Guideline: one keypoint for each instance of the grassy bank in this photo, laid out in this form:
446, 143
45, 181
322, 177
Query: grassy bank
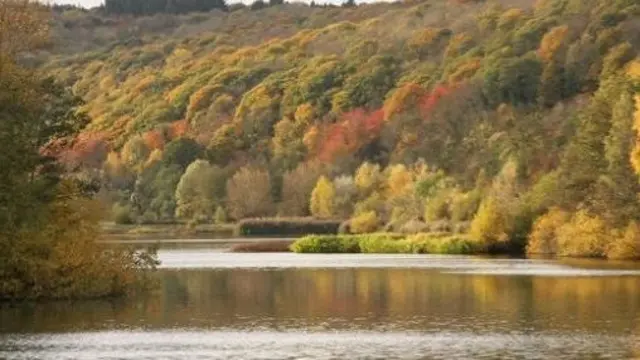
425, 243
177, 230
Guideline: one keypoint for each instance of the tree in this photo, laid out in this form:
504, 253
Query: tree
249, 193
200, 191
297, 186
135, 152
48, 222
349, 3
322, 199
368, 178
514, 81
182, 152
618, 187
346, 193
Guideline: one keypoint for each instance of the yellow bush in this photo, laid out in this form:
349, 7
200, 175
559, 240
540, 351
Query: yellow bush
627, 247
584, 236
365, 223
543, 237
492, 223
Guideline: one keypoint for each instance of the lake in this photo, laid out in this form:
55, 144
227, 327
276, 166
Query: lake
217, 305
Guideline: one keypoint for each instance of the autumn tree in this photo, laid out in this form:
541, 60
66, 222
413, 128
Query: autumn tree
249, 193
322, 198
297, 186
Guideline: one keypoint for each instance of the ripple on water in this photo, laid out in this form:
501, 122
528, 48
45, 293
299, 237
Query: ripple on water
312, 345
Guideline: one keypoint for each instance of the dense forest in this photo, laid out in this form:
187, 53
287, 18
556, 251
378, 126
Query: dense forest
516, 122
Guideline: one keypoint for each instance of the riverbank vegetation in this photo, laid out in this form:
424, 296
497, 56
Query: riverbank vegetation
381, 243
512, 123
48, 219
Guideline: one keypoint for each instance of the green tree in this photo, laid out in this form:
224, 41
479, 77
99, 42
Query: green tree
200, 191
618, 187
182, 152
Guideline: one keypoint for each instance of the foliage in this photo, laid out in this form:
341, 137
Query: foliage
122, 214
297, 186
584, 235
366, 222
326, 244
544, 235
322, 198
495, 118
48, 221
200, 191
249, 193
628, 247
382, 243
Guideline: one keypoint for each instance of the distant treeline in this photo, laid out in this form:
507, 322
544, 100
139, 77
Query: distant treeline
150, 7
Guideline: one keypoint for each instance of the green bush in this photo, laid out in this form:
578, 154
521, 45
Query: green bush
286, 226
326, 244
382, 243
442, 243
122, 214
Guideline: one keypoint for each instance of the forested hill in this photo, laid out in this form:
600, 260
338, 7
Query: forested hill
499, 113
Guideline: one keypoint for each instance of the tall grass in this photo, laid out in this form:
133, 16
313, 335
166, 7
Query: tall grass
286, 226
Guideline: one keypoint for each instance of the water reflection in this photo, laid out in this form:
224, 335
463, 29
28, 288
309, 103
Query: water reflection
368, 311
352, 298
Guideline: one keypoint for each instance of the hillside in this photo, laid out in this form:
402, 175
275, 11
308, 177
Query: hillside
515, 118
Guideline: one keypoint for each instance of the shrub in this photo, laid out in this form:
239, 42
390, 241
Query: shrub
326, 244
628, 246
464, 206
383, 243
543, 237
443, 243
122, 214
492, 223
365, 223
286, 226
584, 236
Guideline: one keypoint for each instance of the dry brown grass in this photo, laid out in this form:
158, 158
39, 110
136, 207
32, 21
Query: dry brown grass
263, 246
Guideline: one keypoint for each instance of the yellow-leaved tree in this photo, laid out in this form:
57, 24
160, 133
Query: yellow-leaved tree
322, 198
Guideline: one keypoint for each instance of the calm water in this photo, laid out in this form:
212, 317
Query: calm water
215, 305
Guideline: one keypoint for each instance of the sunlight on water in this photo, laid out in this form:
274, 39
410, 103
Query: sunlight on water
185, 259
301, 345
